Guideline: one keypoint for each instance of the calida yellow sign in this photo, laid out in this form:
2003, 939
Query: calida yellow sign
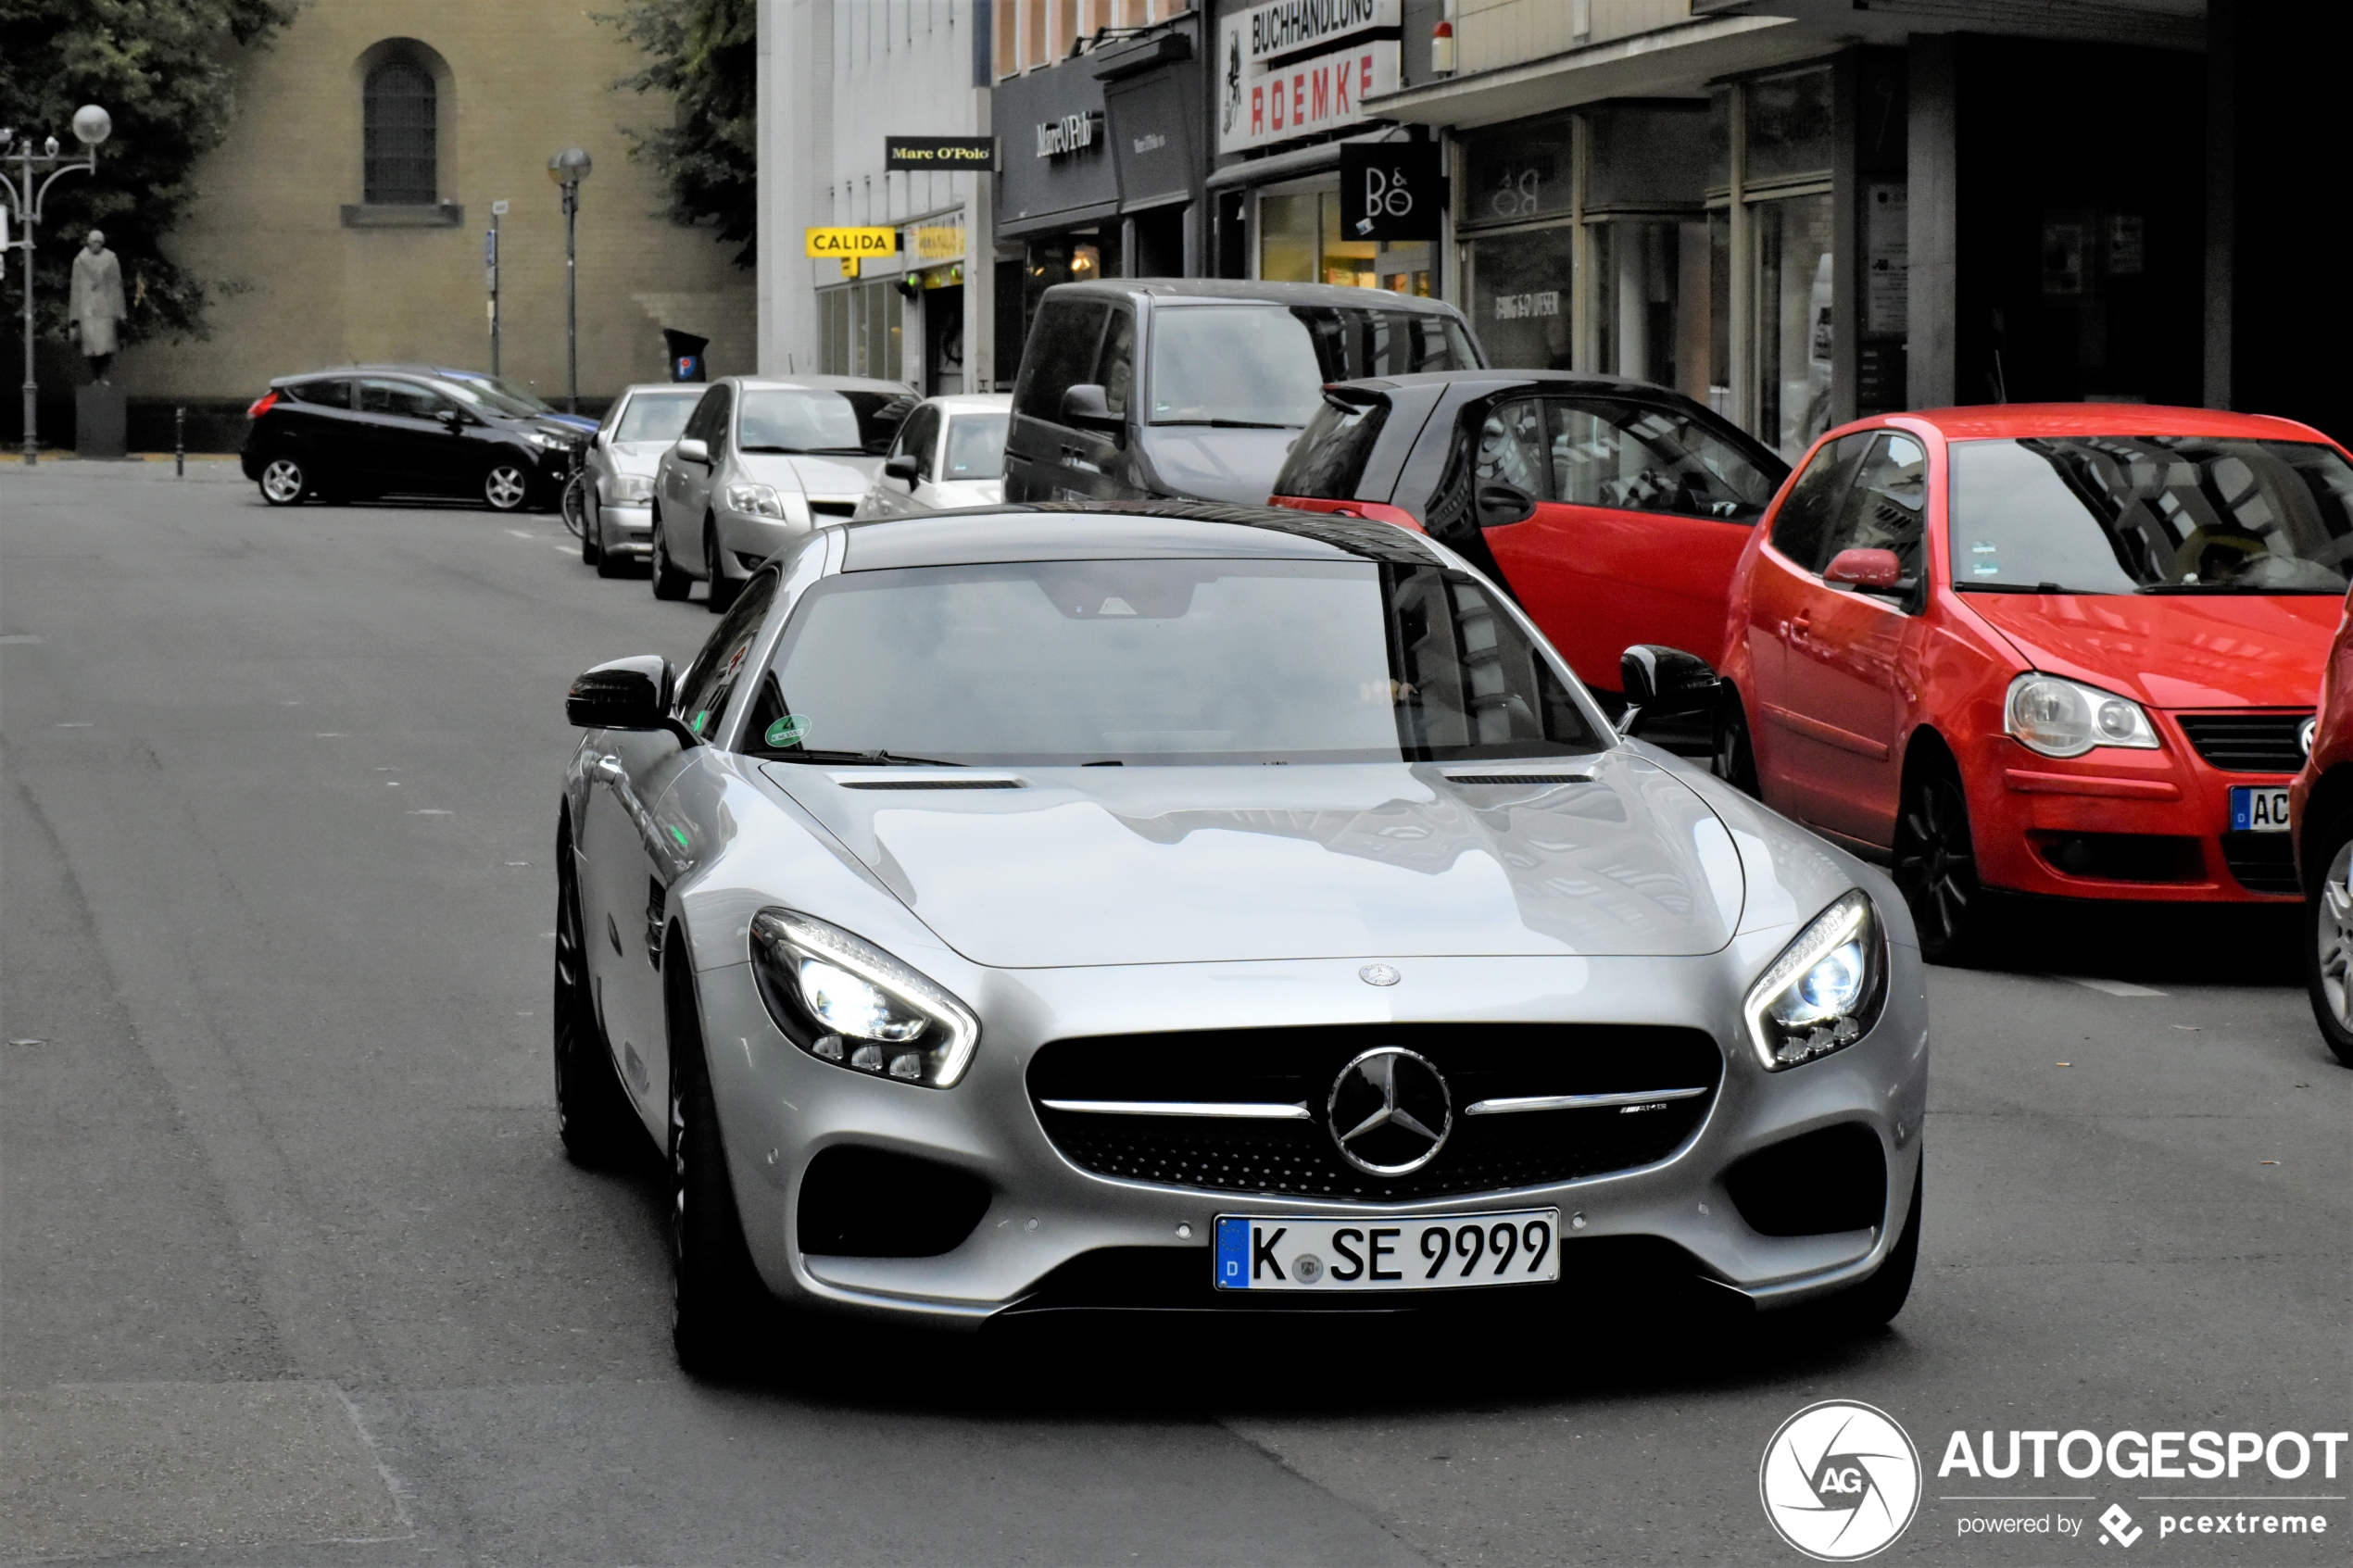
851, 245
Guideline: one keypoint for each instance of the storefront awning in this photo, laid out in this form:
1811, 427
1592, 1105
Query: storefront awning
1292, 165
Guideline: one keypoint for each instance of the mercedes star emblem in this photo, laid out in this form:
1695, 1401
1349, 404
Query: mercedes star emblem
1390, 1112
1378, 974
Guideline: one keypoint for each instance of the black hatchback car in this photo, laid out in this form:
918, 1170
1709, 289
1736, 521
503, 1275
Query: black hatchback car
1613, 510
1144, 388
355, 435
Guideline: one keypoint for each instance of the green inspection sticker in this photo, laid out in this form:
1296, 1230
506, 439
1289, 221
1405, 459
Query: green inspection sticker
791, 729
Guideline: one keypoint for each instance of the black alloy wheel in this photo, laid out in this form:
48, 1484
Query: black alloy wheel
2328, 932
1935, 865
507, 486
1734, 758
284, 482
598, 1126
669, 583
716, 1295
723, 588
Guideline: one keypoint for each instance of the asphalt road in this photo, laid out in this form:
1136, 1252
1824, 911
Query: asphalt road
292, 1270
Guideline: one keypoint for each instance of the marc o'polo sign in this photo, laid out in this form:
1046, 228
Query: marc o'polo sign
936, 152
1390, 191
851, 245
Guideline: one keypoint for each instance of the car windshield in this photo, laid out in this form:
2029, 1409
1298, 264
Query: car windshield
656, 416
819, 419
1144, 663
482, 398
514, 394
975, 446
1266, 364
2125, 514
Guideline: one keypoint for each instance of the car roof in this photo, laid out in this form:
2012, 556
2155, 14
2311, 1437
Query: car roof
1124, 530
971, 402
1495, 379
822, 384
2013, 419
1227, 291
634, 388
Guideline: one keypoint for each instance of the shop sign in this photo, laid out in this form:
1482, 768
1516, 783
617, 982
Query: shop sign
1071, 133
939, 241
1296, 67
851, 245
1391, 192
933, 153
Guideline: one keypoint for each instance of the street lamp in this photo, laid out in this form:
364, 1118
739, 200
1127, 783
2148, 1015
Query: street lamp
568, 168
92, 125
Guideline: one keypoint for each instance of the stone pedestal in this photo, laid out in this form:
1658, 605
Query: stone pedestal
98, 421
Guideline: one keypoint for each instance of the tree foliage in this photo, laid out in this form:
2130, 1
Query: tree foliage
166, 70
704, 55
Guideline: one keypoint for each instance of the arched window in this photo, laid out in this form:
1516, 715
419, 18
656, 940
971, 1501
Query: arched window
400, 151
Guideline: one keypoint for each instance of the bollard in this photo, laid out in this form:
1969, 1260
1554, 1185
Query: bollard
179, 443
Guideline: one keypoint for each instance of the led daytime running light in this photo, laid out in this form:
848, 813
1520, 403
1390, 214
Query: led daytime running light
790, 951
1786, 1036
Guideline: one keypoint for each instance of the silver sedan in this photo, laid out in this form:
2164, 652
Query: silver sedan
627, 447
1188, 906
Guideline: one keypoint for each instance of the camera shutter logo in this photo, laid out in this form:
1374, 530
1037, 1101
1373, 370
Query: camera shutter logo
1840, 1481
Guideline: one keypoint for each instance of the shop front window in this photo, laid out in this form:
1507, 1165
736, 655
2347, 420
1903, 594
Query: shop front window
1079, 257
1520, 297
860, 330
1792, 290
1789, 127
1299, 242
1345, 261
1651, 304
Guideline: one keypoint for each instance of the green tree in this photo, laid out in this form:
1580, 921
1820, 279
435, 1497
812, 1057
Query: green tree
166, 70
704, 53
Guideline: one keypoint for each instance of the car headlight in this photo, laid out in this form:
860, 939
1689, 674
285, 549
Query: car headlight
846, 1001
630, 487
2067, 718
1826, 989
546, 442
755, 501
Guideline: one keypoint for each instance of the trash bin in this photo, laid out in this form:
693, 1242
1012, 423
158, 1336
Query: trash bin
685, 354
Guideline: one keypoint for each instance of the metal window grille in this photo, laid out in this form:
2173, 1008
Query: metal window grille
400, 150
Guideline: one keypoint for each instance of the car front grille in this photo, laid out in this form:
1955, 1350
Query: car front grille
1299, 1157
2264, 862
2248, 743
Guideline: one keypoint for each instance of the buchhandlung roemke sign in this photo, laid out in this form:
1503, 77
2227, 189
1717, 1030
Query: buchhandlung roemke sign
1294, 67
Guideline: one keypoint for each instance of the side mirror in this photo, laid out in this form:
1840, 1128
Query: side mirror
628, 694
1086, 407
1502, 504
1665, 680
452, 420
902, 467
693, 449
1865, 568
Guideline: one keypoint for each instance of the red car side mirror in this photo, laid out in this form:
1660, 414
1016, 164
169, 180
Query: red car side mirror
1865, 568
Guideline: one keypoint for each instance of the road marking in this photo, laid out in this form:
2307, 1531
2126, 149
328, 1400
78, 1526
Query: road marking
82, 725
2110, 987
522, 534
431, 811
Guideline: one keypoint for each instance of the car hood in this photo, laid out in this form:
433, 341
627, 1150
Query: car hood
1218, 465
1208, 864
2174, 650
637, 456
951, 493
840, 479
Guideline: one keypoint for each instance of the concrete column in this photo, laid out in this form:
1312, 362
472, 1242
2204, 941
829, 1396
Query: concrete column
1741, 333
980, 263
2221, 205
1932, 228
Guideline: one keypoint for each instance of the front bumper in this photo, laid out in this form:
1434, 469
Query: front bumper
780, 1108
628, 527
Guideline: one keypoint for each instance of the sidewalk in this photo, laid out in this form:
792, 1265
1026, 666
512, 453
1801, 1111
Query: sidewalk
205, 468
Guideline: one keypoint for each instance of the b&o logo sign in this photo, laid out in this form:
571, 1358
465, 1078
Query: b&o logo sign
1391, 192
1840, 1481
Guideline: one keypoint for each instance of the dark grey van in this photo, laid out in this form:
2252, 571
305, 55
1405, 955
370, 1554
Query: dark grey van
1143, 387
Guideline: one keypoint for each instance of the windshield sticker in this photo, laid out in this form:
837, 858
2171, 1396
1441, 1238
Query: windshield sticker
699, 717
1984, 567
791, 729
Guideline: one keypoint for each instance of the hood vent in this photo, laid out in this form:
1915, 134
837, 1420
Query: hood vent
1519, 778
928, 784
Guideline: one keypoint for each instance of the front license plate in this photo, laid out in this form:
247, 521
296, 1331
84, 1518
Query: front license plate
1441, 1252
2259, 808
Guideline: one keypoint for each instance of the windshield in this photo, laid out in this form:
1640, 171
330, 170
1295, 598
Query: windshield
815, 419
656, 416
1158, 662
2118, 514
976, 446
1266, 364
478, 395
514, 394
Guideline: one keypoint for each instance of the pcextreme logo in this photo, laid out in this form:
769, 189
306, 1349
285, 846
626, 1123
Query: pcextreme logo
1840, 1481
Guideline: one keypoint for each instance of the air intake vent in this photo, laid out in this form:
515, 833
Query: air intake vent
2248, 743
930, 784
834, 509
1519, 778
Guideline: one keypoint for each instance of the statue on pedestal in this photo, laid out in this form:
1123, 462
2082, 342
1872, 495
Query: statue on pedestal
95, 304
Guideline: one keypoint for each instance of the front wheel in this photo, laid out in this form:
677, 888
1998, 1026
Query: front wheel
593, 1116
1936, 865
668, 581
1735, 760
283, 481
2328, 935
716, 1295
507, 486
723, 588
1875, 1302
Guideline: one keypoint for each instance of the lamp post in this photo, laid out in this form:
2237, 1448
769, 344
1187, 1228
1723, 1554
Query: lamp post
568, 168
92, 125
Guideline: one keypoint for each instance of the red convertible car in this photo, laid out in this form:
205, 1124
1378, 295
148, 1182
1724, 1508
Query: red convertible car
2063, 650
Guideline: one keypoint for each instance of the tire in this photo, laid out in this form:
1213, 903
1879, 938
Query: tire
598, 1126
572, 507
1735, 760
2328, 934
591, 529
1875, 1302
1935, 865
716, 1296
284, 482
669, 583
506, 486
611, 565
723, 588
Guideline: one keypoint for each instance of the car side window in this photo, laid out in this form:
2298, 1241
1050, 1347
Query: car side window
709, 422
1886, 507
404, 398
1116, 367
1801, 528
1511, 449
335, 393
1633, 457
1061, 356
918, 437
710, 680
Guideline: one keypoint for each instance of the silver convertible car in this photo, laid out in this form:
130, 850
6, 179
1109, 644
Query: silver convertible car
1194, 906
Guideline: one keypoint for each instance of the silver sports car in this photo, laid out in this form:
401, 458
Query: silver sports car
1187, 906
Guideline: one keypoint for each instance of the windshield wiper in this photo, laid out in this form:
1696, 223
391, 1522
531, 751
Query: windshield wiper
2226, 588
1232, 424
872, 759
2021, 588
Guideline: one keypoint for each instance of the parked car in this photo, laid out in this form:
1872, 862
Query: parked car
2321, 819
1613, 511
760, 461
951, 886
1137, 388
354, 434
950, 453
621, 459
2070, 650
514, 392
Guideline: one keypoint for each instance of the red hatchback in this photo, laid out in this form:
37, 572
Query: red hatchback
2063, 650
2320, 806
